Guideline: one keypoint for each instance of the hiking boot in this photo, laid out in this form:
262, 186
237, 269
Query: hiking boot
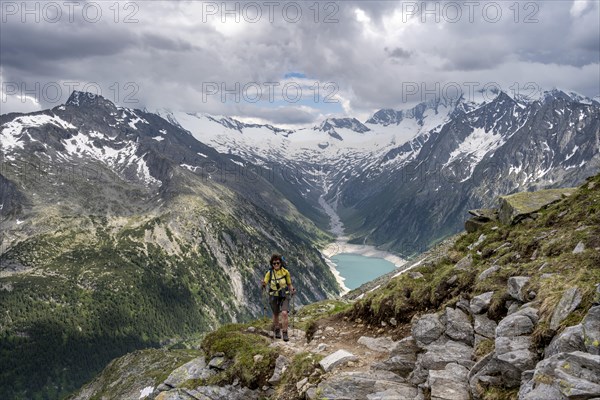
278, 333
285, 337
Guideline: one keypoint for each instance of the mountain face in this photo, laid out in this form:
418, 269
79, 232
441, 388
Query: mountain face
406, 178
500, 147
120, 231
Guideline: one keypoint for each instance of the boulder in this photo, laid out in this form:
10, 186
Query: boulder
474, 224
516, 207
194, 369
219, 363
516, 285
527, 384
568, 341
580, 248
228, 392
488, 272
381, 344
591, 330
407, 346
485, 326
569, 301
438, 356
281, 365
487, 214
458, 326
573, 375
516, 351
427, 329
450, 383
177, 394
365, 385
333, 360
465, 263
403, 357
481, 303
514, 325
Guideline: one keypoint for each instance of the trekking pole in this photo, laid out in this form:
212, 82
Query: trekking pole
293, 317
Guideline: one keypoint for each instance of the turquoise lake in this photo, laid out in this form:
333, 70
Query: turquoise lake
357, 269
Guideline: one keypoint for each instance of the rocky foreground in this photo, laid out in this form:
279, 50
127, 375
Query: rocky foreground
509, 311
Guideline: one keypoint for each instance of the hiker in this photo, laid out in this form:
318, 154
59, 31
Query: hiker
280, 287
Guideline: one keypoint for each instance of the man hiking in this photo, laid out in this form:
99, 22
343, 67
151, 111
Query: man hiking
280, 287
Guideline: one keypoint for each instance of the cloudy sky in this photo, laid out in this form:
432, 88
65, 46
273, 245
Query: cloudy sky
290, 62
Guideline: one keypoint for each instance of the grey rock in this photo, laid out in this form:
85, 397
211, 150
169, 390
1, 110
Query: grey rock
480, 240
228, 392
481, 303
402, 365
529, 311
333, 360
281, 365
569, 301
219, 362
177, 394
463, 304
516, 351
465, 263
300, 386
527, 384
381, 344
511, 307
516, 286
321, 347
450, 383
547, 275
568, 341
393, 321
194, 369
488, 272
438, 356
415, 275
458, 326
485, 326
490, 371
403, 357
406, 346
452, 280
575, 375
514, 325
591, 330
580, 248
360, 385
427, 329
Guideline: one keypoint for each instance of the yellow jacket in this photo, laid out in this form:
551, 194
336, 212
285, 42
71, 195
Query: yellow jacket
281, 276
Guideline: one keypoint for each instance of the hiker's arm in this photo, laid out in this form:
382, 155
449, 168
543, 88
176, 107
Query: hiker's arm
288, 278
266, 280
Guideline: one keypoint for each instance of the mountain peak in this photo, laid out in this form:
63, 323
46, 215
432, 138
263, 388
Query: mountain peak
348, 123
87, 99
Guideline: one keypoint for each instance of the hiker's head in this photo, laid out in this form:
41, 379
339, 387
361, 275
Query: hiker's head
276, 261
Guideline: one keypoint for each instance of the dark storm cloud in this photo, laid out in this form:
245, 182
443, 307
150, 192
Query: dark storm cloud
398, 52
173, 51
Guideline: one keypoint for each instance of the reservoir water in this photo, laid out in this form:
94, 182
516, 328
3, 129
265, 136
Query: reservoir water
357, 269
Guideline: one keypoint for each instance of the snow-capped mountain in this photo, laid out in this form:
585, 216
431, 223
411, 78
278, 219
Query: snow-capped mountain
498, 142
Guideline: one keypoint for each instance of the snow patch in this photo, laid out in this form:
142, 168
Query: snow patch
158, 138
12, 132
147, 391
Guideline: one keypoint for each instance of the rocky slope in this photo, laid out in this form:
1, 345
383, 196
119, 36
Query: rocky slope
511, 311
121, 231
